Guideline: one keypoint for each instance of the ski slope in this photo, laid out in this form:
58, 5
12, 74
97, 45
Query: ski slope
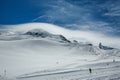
100, 71
40, 51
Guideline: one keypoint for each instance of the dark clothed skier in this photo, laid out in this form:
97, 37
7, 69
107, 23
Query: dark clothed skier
90, 70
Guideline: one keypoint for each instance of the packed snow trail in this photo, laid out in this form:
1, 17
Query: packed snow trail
109, 72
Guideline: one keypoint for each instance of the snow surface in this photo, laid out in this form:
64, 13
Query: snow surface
28, 57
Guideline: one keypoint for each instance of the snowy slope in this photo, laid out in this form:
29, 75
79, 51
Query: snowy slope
40, 51
100, 71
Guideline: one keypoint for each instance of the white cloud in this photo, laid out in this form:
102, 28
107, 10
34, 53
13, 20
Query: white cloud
64, 12
113, 13
112, 7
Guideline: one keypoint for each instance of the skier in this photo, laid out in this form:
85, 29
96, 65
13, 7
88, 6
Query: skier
90, 70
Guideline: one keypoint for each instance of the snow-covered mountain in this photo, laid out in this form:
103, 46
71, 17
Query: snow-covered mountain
44, 34
41, 47
53, 33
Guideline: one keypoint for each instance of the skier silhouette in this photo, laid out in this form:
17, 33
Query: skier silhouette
90, 70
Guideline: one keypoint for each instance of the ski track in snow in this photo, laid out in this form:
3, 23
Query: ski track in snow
106, 73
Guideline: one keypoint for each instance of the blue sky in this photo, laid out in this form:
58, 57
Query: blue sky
94, 15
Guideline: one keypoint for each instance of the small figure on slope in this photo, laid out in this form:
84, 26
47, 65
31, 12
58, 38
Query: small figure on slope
90, 70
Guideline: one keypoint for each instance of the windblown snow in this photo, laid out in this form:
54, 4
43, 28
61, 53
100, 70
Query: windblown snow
41, 51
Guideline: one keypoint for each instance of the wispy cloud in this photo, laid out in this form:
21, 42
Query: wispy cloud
83, 15
64, 13
113, 12
112, 8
